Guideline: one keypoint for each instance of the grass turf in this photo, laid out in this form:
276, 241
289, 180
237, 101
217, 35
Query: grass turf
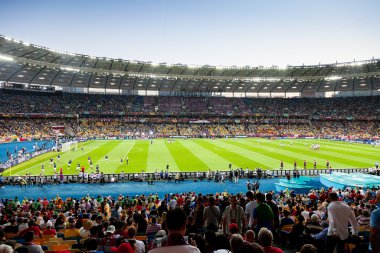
203, 154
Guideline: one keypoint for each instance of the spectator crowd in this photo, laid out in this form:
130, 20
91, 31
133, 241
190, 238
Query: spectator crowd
319, 221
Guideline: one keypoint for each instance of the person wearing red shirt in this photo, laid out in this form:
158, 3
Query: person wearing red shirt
32, 227
45, 202
49, 230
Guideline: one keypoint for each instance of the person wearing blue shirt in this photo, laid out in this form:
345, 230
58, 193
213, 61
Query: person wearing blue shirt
375, 227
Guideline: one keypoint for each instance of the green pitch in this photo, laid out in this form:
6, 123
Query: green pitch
203, 154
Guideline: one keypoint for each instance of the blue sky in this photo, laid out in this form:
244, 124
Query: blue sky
214, 32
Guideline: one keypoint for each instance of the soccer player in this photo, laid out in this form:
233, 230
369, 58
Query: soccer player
89, 159
121, 160
106, 157
78, 167
127, 160
282, 165
304, 164
55, 167
315, 164
69, 164
295, 165
91, 166
58, 158
327, 164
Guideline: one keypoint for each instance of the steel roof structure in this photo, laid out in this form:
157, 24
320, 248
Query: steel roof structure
21, 62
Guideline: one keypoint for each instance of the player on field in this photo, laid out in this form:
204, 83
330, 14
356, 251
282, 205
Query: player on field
327, 164
282, 165
315, 164
91, 166
126, 160
304, 164
78, 167
121, 160
106, 157
295, 165
58, 158
69, 164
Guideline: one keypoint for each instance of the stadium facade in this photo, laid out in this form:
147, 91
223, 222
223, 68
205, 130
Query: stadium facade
31, 67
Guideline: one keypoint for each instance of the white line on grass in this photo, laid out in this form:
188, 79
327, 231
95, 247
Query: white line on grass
129, 150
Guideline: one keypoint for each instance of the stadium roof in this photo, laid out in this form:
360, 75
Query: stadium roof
21, 62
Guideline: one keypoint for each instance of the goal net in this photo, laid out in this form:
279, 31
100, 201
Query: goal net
68, 146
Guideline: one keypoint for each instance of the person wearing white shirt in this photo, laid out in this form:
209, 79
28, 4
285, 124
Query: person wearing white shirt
251, 205
140, 246
339, 215
172, 203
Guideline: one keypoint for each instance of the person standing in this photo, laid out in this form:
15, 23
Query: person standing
375, 227
233, 214
176, 224
211, 216
262, 214
339, 215
249, 207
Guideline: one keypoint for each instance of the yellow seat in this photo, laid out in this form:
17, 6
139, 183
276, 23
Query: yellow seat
287, 228
69, 242
60, 247
55, 239
141, 237
39, 241
47, 237
50, 244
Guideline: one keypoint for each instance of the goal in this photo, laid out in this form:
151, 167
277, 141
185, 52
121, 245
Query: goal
68, 146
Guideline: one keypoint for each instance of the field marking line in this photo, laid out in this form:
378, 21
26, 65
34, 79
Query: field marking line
129, 150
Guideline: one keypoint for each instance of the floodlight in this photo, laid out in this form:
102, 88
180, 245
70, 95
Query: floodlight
6, 57
331, 78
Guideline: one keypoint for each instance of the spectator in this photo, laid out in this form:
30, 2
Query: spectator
140, 246
250, 206
308, 248
233, 214
250, 236
153, 228
265, 239
262, 214
49, 230
176, 222
211, 216
375, 226
32, 248
339, 215
236, 242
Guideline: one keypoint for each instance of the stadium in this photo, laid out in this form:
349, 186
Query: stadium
84, 138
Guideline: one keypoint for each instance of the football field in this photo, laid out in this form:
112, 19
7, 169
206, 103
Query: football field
202, 154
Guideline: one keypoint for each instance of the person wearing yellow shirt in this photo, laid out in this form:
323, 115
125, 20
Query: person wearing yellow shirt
72, 230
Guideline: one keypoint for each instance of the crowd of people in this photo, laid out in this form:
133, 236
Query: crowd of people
319, 221
68, 103
29, 129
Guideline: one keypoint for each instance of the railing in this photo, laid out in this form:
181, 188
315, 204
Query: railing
113, 178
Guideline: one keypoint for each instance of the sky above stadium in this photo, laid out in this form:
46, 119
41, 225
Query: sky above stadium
213, 32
